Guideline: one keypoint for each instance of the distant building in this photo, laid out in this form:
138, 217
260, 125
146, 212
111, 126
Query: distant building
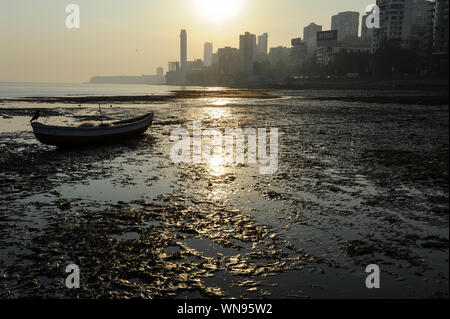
299, 52
347, 25
126, 79
395, 22
327, 38
310, 36
174, 66
228, 61
183, 48
262, 47
173, 75
280, 61
215, 59
279, 55
440, 32
247, 50
326, 55
409, 23
160, 72
421, 38
207, 54
366, 33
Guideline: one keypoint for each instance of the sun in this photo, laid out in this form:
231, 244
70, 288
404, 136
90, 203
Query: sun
218, 10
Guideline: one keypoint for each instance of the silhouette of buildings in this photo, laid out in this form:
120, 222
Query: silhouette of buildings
418, 27
156, 79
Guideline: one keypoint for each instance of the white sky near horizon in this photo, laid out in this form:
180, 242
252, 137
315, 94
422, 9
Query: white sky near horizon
134, 37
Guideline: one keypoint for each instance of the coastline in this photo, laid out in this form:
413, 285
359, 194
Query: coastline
393, 96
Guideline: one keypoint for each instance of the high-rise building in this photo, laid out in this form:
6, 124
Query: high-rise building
174, 66
310, 36
247, 51
440, 32
421, 38
327, 38
366, 33
347, 24
299, 52
395, 22
407, 23
262, 46
228, 60
183, 48
207, 54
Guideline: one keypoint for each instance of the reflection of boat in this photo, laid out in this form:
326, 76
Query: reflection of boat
88, 134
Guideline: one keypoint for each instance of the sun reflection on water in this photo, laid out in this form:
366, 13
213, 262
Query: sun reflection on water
217, 112
216, 165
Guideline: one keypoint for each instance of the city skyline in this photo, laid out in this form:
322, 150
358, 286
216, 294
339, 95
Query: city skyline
36, 46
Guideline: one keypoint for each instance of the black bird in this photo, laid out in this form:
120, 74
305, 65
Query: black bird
35, 116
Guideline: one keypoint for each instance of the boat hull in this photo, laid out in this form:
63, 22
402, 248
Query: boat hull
75, 136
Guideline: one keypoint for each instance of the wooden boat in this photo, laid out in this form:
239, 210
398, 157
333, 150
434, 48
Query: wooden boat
70, 136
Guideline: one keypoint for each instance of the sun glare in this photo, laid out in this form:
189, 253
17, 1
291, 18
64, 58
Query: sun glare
218, 10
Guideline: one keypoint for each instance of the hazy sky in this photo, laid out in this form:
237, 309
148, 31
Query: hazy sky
134, 37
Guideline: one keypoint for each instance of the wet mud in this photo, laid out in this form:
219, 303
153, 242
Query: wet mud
357, 184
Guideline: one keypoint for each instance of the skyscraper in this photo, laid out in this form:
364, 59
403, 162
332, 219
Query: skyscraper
421, 38
402, 21
310, 36
247, 50
366, 33
346, 23
183, 48
440, 32
207, 54
262, 46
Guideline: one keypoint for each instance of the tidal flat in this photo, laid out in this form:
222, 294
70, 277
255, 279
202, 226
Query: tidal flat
359, 182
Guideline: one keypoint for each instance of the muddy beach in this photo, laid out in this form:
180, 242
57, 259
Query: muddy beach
358, 183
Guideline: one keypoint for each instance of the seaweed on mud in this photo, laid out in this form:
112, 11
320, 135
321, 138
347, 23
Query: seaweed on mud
142, 267
181, 231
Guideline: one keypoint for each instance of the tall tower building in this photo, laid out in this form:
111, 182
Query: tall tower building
440, 32
262, 46
396, 22
310, 36
183, 48
366, 33
247, 51
346, 23
207, 54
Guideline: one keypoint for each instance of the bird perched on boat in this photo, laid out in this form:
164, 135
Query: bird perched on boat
35, 116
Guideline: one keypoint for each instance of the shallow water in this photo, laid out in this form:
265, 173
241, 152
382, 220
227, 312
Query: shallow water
357, 184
